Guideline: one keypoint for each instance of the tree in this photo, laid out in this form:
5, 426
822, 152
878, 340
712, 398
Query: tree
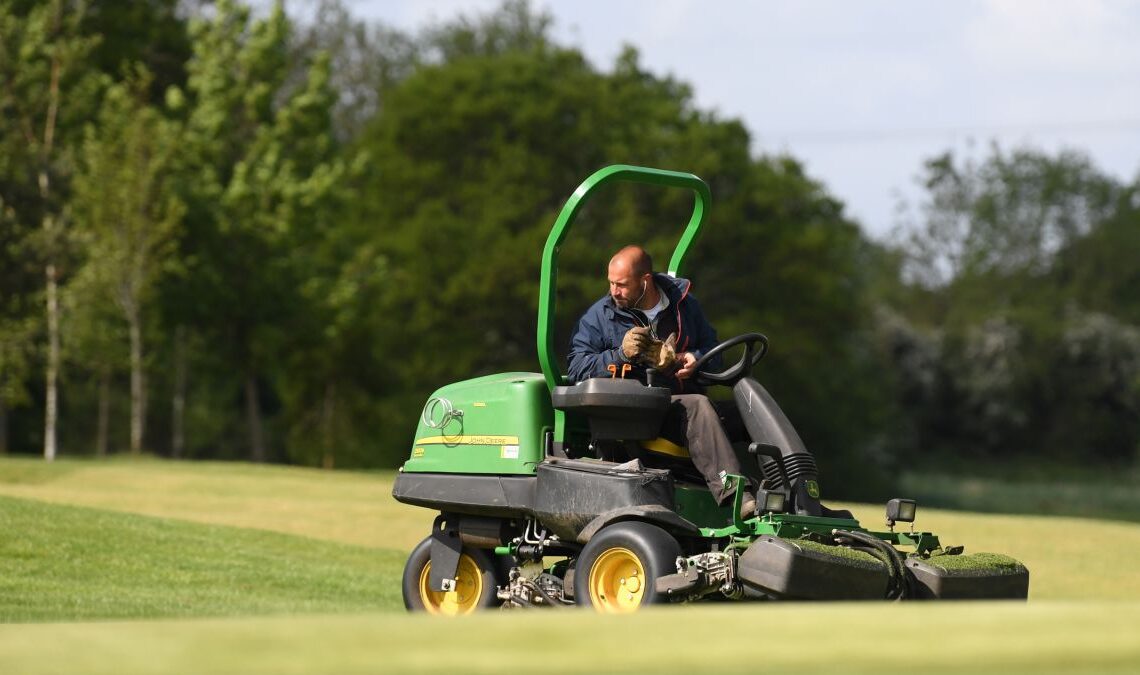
19, 313
127, 215
260, 166
366, 61
1019, 277
48, 89
1010, 213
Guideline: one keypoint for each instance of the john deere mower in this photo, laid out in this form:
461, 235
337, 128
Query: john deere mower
550, 494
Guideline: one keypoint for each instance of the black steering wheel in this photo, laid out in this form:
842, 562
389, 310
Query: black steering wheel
755, 347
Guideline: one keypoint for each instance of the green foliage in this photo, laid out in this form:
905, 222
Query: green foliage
1023, 337
1007, 215
126, 213
148, 33
263, 182
340, 217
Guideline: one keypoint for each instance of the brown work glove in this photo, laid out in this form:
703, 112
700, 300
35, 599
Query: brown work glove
635, 342
662, 355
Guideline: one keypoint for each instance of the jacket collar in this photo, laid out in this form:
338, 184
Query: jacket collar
674, 288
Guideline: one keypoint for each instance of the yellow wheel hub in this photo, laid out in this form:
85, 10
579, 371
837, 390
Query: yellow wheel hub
617, 581
464, 599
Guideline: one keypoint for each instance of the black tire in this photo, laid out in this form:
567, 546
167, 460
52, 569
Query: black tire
475, 580
619, 567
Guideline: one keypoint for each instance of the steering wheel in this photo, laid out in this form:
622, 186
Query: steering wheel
755, 347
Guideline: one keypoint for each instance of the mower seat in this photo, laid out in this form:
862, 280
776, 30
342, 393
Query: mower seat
616, 409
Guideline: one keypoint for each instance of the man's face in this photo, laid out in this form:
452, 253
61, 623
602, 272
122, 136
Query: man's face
626, 288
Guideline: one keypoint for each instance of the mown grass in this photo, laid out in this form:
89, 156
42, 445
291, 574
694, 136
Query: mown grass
63, 563
163, 540
342, 506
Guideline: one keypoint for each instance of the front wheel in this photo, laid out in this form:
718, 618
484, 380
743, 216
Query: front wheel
474, 583
619, 567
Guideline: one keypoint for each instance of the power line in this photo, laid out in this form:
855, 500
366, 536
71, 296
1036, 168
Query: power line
925, 133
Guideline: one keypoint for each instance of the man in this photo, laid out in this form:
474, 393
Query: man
628, 325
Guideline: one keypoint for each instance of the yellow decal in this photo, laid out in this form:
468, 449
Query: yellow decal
417, 452
468, 440
479, 404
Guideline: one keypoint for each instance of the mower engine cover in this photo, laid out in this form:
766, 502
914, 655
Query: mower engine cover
489, 425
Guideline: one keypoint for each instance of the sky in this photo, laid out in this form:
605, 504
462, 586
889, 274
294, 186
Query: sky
863, 92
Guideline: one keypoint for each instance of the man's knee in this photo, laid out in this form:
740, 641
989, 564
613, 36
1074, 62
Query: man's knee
695, 404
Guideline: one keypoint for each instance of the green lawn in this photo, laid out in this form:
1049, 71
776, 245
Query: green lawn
307, 563
61, 563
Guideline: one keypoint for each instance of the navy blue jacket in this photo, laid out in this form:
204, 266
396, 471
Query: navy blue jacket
596, 342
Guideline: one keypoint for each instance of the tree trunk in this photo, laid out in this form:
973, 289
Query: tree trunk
253, 417
51, 406
177, 432
103, 421
138, 383
327, 411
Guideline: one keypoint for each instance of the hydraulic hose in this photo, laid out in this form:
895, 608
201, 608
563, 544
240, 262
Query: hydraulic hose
899, 588
546, 596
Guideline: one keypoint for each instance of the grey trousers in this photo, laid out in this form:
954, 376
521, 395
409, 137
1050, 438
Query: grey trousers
693, 421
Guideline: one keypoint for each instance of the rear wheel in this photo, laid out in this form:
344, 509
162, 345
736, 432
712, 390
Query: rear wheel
619, 567
474, 582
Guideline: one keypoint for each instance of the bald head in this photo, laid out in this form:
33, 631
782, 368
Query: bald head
631, 277
634, 258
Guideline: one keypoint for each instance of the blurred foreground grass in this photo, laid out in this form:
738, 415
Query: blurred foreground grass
1010, 638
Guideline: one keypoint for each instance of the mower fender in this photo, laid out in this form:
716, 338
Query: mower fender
661, 516
445, 549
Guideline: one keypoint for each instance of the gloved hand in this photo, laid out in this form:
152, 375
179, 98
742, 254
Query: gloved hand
662, 355
635, 342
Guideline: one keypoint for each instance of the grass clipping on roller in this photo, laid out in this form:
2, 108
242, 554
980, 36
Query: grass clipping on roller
973, 564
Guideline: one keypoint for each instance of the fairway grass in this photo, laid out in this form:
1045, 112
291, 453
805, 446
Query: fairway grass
1006, 638
347, 507
306, 564
66, 562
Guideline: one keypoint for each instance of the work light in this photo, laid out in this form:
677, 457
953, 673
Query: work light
771, 501
900, 510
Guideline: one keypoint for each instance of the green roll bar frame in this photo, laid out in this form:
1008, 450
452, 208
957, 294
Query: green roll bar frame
549, 279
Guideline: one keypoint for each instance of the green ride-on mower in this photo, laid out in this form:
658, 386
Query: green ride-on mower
552, 494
